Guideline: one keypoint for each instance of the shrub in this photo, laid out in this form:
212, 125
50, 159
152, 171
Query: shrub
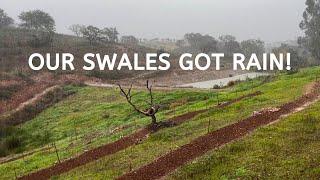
216, 86
3, 150
231, 83
5, 95
293, 71
105, 115
7, 92
13, 142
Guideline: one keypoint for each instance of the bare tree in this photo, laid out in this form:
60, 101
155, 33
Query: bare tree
150, 111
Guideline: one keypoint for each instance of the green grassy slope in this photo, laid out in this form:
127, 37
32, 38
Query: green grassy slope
96, 116
283, 89
286, 150
92, 117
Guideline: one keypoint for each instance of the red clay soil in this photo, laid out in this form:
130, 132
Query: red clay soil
174, 159
116, 146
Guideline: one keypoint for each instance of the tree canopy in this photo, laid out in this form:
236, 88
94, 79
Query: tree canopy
311, 26
5, 20
94, 34
37, 20
129, 40
251, 46
229, 45
201, 43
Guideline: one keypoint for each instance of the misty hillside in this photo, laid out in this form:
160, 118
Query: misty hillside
17, 45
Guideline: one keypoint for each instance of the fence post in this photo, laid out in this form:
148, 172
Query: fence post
56, 150
209, 124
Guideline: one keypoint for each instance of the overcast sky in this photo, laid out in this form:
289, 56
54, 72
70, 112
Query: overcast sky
269, 20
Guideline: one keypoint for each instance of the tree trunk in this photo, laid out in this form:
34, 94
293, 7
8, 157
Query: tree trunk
154, 119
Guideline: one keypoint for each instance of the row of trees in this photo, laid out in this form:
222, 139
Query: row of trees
33, 20
43, 29
40, 24
43, 26
106, 35
94, 34
227, 44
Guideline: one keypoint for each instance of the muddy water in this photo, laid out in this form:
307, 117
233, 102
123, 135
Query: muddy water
223, 81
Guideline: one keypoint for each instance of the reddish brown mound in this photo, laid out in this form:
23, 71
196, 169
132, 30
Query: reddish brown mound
169, 162
116, 146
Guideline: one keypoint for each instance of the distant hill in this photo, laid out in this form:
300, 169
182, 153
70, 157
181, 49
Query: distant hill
271, 45
16, 45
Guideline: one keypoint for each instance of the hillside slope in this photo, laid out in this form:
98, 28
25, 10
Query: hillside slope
96, 116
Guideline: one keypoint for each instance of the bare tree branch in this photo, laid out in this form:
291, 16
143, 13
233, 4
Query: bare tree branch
129, 97
150, 111
149, 87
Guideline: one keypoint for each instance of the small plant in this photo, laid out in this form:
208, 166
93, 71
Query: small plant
231, 83
292, 71
216, 86
106, 115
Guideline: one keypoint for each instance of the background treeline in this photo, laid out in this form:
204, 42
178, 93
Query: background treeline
36, 29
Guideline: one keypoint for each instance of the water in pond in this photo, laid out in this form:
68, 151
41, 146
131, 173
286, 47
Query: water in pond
223, 81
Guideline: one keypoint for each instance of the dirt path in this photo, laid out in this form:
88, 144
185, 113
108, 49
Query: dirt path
30, 108
116, 146
171, 161
36, 98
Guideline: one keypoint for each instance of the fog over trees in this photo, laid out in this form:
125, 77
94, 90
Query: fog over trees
42, 25
269, 20
311, 26
5, 20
